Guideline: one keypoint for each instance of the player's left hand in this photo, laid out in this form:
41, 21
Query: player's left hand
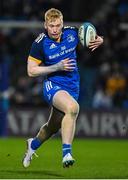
96, 43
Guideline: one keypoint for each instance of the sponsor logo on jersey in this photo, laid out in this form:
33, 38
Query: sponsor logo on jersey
52, 46
62, 53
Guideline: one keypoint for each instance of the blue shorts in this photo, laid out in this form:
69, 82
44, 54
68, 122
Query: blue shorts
50, 88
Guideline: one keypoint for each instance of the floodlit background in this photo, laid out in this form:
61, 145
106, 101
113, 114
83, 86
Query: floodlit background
104, 73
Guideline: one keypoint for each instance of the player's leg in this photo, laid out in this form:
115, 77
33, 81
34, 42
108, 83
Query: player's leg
67, 104
46, 131
52, 126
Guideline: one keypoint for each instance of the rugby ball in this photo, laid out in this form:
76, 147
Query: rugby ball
86, 33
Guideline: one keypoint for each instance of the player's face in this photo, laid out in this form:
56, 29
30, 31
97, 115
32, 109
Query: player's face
54, 28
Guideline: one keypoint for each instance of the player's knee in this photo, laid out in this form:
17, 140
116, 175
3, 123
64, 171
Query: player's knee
73, 109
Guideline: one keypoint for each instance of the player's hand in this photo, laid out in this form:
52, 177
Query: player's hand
66, 65
96, 43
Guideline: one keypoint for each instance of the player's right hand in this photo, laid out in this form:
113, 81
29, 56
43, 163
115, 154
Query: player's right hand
67, 65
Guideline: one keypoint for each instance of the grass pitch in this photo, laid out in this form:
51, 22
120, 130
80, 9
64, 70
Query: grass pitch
94, 159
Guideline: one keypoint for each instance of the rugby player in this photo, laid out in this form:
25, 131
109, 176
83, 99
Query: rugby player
53, 55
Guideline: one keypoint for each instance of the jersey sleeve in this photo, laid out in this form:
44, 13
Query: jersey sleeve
75, 29
36, 53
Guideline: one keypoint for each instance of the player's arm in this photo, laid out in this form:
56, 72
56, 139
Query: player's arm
34, 69
36, 57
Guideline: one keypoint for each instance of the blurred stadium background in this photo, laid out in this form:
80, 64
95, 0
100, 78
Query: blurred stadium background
104, 73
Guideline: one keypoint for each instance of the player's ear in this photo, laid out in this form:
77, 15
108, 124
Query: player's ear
62, 23
45, 25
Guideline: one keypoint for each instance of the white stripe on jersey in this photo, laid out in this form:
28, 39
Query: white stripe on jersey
40, 37
48, 85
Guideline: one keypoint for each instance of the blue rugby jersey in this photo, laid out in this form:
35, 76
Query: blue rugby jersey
47, 51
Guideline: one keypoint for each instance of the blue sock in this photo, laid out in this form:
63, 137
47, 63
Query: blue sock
67, 149
36, 143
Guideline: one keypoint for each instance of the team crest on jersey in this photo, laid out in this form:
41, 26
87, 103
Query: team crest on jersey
52, 46
70, 38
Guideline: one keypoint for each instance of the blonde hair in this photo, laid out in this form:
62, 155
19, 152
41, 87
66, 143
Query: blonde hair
53, 14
